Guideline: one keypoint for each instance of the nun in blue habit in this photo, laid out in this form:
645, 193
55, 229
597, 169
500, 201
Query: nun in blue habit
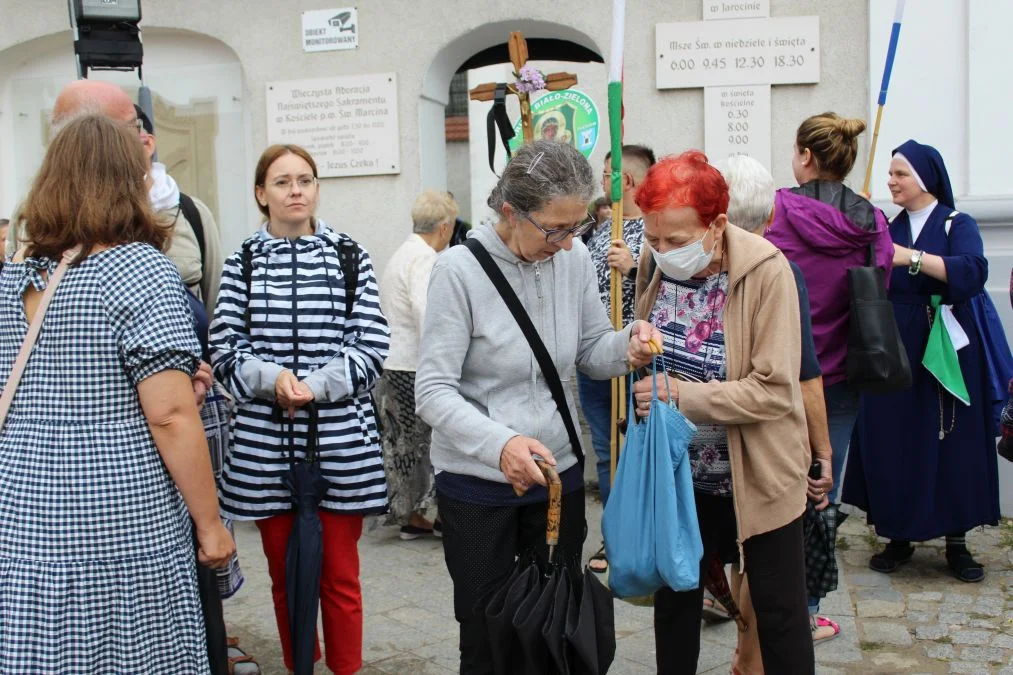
922, 463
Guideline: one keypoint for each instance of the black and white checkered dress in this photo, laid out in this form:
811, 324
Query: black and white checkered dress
296, 304
96, 555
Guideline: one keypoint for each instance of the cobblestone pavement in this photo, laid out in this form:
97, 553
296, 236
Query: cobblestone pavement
918, 620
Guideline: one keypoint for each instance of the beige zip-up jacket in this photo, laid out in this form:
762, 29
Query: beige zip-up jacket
760, 402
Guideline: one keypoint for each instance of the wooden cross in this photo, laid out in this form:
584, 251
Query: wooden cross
518, 48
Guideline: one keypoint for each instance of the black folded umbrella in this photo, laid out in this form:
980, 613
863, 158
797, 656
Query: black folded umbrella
562, 622
304, 555
214, 617
820, 529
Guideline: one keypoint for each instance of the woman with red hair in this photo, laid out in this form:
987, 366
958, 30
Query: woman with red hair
726, 304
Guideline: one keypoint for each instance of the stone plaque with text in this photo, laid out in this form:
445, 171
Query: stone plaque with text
737, 122
782, 50
348, 123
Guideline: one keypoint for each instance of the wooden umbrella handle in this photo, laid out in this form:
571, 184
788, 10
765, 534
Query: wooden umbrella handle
555, 510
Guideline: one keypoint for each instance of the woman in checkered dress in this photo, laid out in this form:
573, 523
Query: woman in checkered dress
102, 453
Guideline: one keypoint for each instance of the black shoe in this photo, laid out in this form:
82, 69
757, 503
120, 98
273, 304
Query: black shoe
963, 566
409, 532
891, 557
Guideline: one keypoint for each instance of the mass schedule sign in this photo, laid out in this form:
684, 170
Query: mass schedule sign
782, 50
348, 123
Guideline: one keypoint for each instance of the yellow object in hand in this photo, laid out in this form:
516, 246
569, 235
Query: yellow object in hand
655, 346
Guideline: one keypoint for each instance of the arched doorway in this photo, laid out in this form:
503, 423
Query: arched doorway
559, 46
200, 117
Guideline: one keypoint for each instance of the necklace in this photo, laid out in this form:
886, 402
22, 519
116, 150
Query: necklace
943, 431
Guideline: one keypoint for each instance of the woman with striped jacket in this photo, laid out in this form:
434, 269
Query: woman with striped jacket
283, 337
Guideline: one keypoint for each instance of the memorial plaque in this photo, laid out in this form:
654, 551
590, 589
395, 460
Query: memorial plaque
348, 123
737, 122
782, 50
735, 9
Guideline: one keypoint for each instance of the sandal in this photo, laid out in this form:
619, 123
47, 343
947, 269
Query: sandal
963, 565
240, 663
890, 558
714, 611
601, 559
823, 629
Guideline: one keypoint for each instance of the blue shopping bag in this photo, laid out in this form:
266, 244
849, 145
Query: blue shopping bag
652, 537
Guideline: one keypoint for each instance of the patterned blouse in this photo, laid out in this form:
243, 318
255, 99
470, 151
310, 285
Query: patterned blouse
690, 316
598, 245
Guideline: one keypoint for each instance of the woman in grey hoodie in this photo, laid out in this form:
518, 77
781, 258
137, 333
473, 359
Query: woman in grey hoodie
480, 388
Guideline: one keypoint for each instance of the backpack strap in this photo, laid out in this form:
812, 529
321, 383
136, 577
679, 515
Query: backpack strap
246, 265
948, 223
192, 215
549, 371
348, 258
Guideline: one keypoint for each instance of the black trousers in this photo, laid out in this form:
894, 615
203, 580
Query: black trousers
481, 545
776, 567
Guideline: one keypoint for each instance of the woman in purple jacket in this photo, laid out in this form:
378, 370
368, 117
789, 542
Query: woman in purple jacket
825, 228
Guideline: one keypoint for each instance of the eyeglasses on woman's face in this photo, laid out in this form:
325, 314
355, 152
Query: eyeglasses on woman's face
556, 235
286, 183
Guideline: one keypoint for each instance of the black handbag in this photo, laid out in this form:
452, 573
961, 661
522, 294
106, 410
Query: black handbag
877, 360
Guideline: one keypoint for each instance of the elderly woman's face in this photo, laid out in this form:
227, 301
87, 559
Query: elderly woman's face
528, 230
674, 228
903, 185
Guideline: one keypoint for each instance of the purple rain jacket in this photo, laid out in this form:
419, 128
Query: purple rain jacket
825, 228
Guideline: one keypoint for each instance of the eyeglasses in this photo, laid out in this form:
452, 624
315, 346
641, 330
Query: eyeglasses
284, 183
559, 234
136, 124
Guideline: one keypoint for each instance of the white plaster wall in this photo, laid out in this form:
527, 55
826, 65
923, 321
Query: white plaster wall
408, 37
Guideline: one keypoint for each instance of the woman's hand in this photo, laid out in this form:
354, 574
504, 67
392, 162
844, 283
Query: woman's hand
517, 463
290, 393
901, 256
645, 343
819, 488
620, 257
215, 545
201, 383
643, 392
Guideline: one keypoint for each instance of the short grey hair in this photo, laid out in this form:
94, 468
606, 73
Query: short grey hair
431, 209
540, 172
750, 191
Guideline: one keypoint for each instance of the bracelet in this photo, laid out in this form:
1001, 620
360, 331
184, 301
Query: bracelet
916, 263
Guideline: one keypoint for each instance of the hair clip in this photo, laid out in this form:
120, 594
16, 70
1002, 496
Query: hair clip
534, 163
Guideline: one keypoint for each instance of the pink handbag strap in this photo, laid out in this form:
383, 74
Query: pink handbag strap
33, 334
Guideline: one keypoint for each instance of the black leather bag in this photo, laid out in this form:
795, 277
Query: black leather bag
877, 360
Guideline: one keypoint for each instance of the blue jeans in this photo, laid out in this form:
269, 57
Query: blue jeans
842, 403
596, 402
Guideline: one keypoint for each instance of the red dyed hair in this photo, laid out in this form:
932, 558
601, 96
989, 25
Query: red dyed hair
686, 180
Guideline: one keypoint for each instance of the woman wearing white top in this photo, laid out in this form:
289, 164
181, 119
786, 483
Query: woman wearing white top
405, 437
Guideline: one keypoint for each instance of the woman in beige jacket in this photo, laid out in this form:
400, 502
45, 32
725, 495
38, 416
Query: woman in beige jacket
726, 304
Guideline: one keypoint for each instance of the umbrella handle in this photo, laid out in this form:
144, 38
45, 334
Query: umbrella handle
555, 507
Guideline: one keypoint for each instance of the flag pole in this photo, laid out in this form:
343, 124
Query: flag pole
891, 52
615, 106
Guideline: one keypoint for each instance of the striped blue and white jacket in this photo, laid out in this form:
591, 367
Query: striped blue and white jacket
292, 318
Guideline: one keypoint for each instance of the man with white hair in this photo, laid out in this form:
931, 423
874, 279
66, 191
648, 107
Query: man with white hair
751, 207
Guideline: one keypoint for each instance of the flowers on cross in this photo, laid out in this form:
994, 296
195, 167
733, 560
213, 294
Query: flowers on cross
529, 80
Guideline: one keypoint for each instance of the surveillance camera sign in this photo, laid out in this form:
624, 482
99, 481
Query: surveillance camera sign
325, 30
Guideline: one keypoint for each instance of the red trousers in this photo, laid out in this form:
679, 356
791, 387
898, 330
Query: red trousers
340, 593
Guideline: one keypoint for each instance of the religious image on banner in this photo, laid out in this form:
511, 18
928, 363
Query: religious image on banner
569, 116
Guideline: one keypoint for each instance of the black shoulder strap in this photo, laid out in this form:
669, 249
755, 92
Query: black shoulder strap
192, 216
537, 346
348, 258
246, 262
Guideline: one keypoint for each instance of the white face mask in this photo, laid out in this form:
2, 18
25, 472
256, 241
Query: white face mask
683, 263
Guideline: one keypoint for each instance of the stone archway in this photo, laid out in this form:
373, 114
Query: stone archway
436, 83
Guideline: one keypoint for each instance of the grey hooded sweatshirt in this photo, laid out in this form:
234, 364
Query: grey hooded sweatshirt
478, 384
